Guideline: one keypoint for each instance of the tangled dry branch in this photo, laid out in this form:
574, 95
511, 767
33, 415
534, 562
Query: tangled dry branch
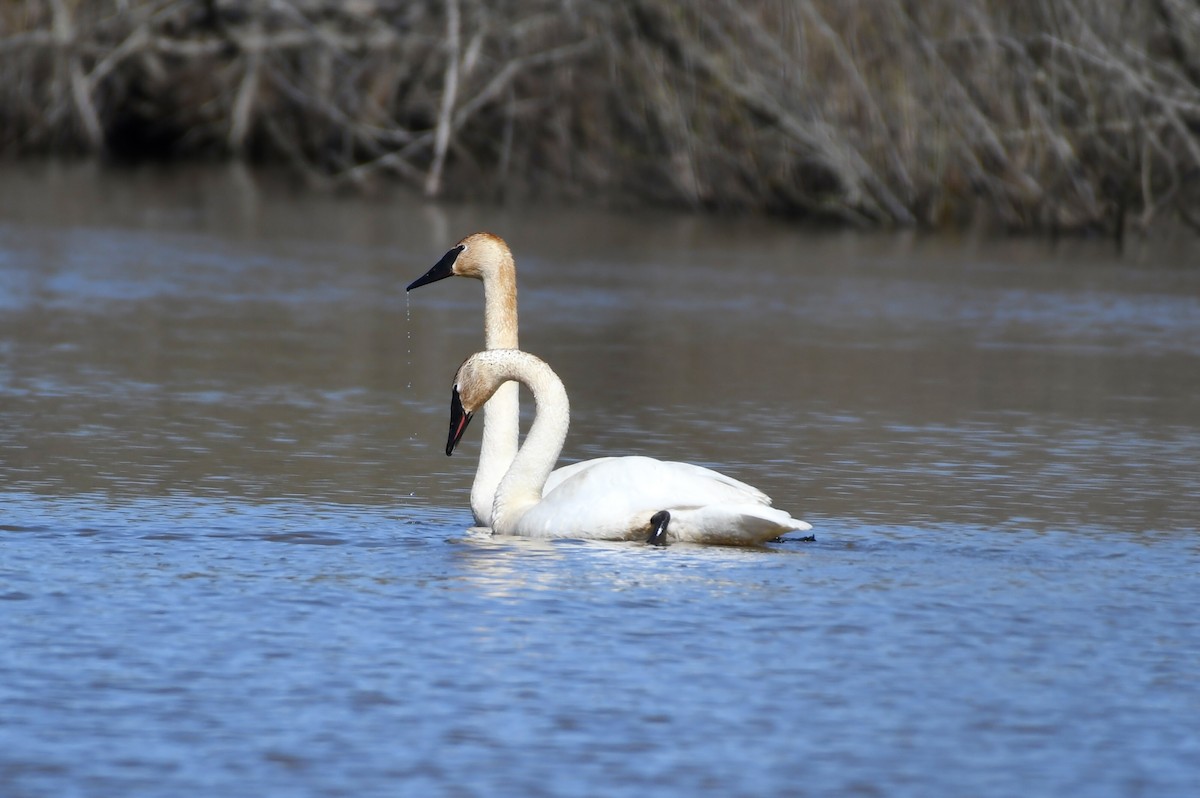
1046, 114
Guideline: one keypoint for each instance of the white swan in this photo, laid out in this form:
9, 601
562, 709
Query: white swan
486, 257
610, 498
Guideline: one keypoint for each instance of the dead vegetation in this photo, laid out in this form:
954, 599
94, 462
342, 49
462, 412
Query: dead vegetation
1036, 115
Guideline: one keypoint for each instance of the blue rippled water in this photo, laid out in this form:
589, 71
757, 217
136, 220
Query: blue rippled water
234, 561
191, 647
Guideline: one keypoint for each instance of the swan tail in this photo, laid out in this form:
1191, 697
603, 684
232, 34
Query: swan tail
731, 524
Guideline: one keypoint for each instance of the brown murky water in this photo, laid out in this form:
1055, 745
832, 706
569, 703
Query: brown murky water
204, 373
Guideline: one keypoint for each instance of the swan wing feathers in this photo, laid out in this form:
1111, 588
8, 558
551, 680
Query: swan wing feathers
614, 497
671, 473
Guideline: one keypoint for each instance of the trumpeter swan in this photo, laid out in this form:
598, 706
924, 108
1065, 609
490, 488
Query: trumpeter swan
486, 257
611, 498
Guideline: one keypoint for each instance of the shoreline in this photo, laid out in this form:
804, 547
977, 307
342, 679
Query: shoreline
1070, 118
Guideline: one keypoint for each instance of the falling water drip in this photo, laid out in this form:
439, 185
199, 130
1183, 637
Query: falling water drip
408, 334
408, 363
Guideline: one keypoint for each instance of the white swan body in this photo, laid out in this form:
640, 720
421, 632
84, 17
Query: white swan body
610, 498
486, 257
617, 499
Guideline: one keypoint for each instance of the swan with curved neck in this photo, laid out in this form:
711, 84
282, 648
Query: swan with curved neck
487, 258
614, 498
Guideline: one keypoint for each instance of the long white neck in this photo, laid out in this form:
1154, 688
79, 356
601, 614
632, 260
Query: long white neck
500, 306
501, 415
522, 486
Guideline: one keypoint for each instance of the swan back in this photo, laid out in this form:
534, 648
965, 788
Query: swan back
615, 498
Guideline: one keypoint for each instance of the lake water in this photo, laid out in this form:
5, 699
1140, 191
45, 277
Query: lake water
234, 559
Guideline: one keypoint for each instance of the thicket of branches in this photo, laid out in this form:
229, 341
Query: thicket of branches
1037, 114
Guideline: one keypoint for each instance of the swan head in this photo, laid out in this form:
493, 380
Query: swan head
479, 255
481, 375
474, 384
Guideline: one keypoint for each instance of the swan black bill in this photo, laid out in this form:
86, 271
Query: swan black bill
459, 419
440, 271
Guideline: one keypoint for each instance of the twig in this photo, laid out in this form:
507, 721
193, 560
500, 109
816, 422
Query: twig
243, 104
433, 181
64, 35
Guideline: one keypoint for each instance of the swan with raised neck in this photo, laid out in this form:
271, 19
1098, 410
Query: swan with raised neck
487, 258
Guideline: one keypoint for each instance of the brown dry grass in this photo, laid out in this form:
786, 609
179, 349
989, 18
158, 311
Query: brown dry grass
1036, 114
